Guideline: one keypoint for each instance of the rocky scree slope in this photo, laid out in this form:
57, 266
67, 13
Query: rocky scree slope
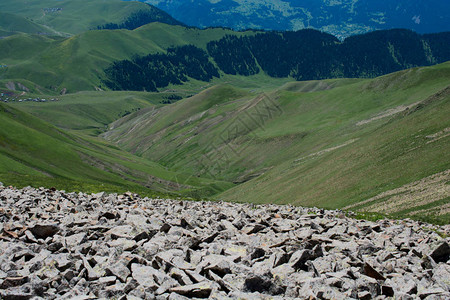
62, 245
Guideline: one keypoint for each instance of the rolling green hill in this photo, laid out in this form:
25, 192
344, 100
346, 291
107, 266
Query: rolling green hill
11, 24
91, 112
77, 63
328, 143
130, 59
33, 152
70, 17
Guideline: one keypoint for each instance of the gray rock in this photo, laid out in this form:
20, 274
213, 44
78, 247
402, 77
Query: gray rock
93, 273
428, 263
124, 231
299, 258
144, 275
220, 267
75, 240
15, 294
425, 293
254, 228
107, 280
119, 270
198, 290
441, 253
371, 272
196, 277
43, 231
124, 246
180, 276
364, 295
9, 282
262, 284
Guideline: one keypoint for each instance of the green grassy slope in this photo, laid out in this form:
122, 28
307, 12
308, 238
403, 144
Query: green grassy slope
33, 152
330, 143
11, 24
90, 112
77, 63
74, 16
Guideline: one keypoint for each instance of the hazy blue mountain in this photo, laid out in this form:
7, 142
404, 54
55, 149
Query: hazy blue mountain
338, 17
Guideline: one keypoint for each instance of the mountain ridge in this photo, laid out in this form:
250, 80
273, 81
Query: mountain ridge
79, 62
69, 17
303, 55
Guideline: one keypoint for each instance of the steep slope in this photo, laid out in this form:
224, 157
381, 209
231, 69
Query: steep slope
341, 18
76, 16
33, 152
330, 143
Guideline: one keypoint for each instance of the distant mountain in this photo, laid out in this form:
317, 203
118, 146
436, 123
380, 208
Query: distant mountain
341, 18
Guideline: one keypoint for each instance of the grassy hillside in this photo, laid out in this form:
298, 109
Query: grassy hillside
330, 143
77, 63
11, 24
115, 59
90, 112
73, 16
35, 153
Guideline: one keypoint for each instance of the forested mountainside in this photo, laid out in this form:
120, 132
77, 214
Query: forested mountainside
304, 55
142, 17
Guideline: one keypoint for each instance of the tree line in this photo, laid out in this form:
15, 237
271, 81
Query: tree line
154, 71
303, 55
142, 17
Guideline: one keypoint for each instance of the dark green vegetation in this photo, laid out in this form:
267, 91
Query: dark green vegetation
341, 18
142, 17
302, 55
159, 70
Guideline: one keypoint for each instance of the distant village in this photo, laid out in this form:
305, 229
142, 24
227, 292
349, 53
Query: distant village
4, 97
52, 9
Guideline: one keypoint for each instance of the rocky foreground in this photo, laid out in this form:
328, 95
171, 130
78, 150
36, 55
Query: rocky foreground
62, 245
